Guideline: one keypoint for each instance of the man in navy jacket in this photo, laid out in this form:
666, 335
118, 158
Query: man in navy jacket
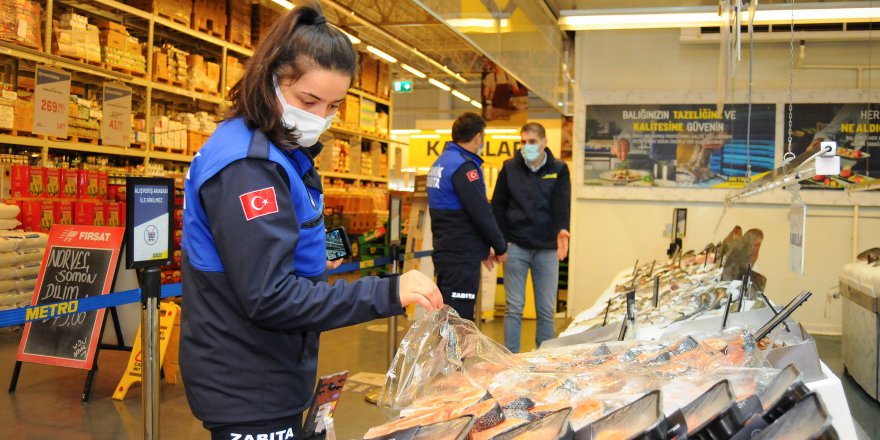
461, 218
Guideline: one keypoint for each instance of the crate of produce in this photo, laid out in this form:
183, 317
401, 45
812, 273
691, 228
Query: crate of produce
178, 11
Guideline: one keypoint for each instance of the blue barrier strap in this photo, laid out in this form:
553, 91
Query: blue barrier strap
51, 310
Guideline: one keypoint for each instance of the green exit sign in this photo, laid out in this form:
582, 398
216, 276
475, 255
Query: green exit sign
403, 86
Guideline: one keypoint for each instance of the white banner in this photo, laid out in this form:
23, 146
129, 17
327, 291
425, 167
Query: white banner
116, 122
51, 102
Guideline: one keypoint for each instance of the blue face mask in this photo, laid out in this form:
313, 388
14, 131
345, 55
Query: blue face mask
531, 152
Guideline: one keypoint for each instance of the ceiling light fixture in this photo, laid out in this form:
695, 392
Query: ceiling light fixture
381, 54
506, 137
443, 131
354, 40
425, 136
476, 104
461, 96
700, 16
350, 14
284, 4
439, 85
501, 130
406, 131
413, 70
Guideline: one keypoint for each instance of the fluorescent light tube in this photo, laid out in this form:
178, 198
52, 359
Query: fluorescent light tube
412, 70
284, 4
439, 85
381, 54
461, 96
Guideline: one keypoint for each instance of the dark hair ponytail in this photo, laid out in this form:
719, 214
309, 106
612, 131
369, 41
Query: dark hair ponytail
299, 41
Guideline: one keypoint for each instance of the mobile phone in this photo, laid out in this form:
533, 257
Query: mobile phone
338, 245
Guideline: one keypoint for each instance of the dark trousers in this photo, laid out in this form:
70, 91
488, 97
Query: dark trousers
459, 282
283, 429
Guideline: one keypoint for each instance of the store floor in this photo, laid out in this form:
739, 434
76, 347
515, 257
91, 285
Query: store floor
47, 402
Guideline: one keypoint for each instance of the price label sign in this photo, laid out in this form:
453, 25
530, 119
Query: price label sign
149, 231
51, 98
116, 121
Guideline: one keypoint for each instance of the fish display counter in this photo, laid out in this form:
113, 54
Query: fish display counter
860, 288
714, 384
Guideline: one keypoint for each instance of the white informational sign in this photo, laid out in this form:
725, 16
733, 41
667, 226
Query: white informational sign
116, 123
149, 230
51, 98
797, 236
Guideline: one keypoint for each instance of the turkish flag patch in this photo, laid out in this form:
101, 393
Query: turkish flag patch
259, 203
473, 175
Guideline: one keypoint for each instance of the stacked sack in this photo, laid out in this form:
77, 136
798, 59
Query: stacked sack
21, 255
9, 216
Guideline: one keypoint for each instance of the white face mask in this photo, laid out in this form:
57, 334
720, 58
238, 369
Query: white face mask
308, 125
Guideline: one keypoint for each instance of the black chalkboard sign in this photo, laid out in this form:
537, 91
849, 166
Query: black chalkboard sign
80, 262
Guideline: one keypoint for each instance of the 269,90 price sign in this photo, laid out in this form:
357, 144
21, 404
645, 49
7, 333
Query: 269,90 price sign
52, 95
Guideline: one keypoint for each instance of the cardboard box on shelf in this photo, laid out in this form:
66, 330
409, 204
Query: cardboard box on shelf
7, 116
383, 87
369, 74
113, 39
179, 11
105, 25
160, 66
103, 180
351, 116
24, 116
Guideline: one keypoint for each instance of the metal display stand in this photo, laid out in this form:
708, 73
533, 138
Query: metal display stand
149, 245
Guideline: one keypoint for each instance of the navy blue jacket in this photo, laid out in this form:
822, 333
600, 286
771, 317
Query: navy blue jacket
531, 207
461, 217
255, 297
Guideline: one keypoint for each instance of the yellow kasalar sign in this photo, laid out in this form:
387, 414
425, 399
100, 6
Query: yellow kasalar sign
423, 152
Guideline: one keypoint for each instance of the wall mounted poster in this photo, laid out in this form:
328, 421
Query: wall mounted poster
855, 128
677, 145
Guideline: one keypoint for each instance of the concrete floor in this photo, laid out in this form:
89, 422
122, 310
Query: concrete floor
47, 402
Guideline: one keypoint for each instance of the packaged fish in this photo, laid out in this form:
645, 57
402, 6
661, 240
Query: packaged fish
640, 420
807, 420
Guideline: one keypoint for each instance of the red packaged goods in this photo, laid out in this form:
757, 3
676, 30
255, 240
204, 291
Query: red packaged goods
84, 212
114, 214
31, 214
63, 212
116, 193
47, 215
68, 182
86, 185
37, 184
53, 182
21, 181
103, 180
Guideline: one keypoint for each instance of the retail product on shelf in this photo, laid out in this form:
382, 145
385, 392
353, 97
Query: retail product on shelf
202, 76
77, 39
234, 72
261, 20
239, 23
362, 209
209, 17
168, 134
445, 368
20, 257
179, 11
20, 23
85, 119
7, 106
170, 65
121, 51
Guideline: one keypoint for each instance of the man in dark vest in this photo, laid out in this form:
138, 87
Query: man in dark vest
532, 202
462, 223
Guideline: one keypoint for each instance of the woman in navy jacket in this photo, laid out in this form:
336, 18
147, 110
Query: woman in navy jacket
255, 296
